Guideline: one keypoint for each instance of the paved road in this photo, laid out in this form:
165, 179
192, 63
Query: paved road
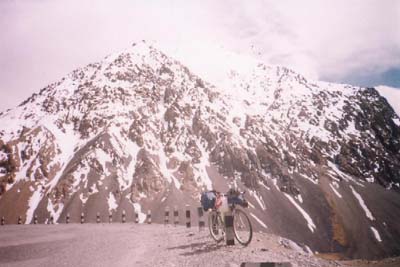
136, 245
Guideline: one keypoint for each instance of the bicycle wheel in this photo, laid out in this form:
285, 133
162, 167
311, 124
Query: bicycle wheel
216, 226
242, 227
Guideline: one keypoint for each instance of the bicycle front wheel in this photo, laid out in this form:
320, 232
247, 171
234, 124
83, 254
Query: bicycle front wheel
216, 226
242, 227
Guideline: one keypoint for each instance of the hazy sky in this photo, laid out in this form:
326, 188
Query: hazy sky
355, 41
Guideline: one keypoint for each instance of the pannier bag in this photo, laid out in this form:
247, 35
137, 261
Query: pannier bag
238, 200
208, 200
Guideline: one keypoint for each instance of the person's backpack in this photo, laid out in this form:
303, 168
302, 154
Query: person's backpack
208, 200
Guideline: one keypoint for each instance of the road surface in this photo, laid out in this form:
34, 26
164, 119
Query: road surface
142, 245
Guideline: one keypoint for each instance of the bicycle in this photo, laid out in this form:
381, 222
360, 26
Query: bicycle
242, 227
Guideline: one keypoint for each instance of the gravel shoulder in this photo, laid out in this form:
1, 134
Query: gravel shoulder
146, 245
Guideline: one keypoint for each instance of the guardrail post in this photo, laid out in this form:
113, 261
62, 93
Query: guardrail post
82, 218
110, 217
67, 218
19, 220
166, 220
149, 216
200, 213
229, 234
188, 221
35, 219
123, 216
136, 216
176, 215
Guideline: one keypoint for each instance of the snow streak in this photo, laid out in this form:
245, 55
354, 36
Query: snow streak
368, 213
376, 234
307, 217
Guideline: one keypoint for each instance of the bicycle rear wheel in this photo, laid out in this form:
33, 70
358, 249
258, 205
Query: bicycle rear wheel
216, 226
242, 227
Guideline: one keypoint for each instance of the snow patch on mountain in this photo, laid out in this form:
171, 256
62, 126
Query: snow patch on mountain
259, 221
368, 213
83, 198
259, 199
112, 203
55, 210
307, 217
332, 186
32, 204
138, 209
376, 234
202, 167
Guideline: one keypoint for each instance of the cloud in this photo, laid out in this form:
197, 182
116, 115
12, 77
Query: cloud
42, 40
328, 38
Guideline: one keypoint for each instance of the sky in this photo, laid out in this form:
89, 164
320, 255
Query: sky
344, 41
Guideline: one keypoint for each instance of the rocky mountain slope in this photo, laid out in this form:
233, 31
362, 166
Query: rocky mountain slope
138, 131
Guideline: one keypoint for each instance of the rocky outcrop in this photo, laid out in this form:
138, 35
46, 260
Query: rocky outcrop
147, 176
8, 166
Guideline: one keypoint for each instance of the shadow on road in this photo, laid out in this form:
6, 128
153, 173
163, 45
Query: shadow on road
198, 248
31, 251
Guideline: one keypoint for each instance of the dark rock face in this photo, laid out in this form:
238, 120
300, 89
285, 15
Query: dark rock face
138, 131
8, 166
377, 155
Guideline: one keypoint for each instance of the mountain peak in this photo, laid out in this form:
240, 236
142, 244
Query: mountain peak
138, 130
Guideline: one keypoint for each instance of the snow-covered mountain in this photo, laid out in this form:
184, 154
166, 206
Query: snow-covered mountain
392, 95
139, 131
